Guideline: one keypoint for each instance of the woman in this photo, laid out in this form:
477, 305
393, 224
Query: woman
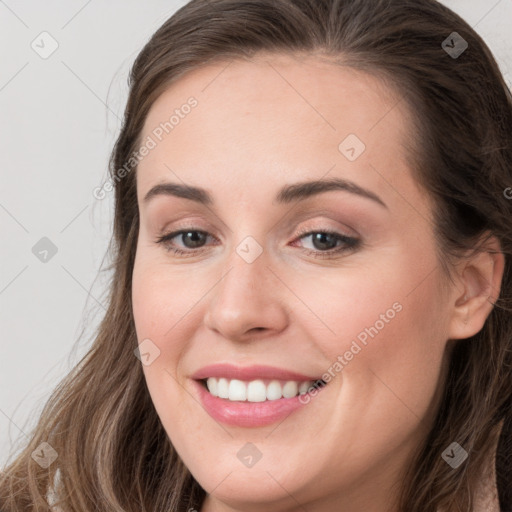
337, 334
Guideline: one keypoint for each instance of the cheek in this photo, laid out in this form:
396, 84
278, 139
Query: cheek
163, 312
159, 311
160, 299
384, 304
387, 335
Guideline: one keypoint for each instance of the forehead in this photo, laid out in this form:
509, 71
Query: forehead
274, 119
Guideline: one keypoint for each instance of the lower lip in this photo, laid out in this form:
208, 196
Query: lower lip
249, 414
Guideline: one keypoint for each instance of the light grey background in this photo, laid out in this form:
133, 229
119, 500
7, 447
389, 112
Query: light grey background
60, 116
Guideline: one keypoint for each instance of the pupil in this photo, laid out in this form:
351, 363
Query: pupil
320, 237
192, 237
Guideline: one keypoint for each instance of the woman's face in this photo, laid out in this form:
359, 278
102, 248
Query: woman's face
261, 282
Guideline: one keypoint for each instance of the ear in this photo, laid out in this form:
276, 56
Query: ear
478, 287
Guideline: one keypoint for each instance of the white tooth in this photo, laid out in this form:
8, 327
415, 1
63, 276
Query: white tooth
290, 389
256, 391
223, 388
237, 390
274, 390
303, 388
211, 384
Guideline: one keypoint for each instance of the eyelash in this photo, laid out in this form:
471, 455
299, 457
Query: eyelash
351, 243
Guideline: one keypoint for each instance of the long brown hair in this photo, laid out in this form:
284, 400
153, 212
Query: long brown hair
113, 452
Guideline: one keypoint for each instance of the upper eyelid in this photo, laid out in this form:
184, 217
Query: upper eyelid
300, 232
344, 229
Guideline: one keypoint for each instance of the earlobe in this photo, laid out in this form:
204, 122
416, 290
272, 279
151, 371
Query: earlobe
477, 290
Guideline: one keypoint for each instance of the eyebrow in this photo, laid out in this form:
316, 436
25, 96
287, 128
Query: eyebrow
287, 194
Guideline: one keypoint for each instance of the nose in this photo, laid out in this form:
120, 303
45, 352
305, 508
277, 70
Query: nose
248, 301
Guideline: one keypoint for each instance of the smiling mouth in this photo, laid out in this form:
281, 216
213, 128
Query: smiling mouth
258, 390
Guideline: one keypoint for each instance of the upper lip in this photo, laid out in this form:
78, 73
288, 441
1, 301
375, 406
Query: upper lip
248, 373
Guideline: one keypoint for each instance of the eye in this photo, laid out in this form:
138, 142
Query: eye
325, 242
192, 238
